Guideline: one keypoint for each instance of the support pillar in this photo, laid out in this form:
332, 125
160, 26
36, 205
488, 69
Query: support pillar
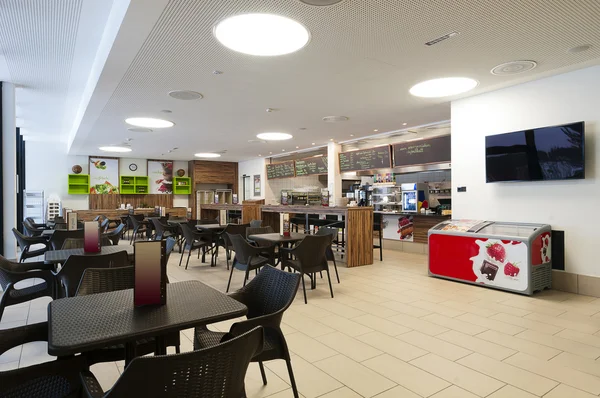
9, 170
334, 178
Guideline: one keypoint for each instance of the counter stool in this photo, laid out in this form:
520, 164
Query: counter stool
378, 227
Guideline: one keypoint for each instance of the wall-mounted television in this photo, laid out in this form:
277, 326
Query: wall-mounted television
539, 154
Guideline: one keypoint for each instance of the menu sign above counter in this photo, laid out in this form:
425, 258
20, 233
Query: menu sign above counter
432, 150
311, 166
366, 159
281, 170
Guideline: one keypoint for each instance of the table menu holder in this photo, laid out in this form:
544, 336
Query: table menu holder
150, 270
286, 224
91, 237
71, 221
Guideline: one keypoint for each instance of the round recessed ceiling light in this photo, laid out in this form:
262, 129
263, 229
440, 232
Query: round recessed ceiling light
207, 155
404, 124
443, 87
149, 122
321, 2
513, 67
579, 49
185, 95
274, 136
261, 34
115, 149
139, 130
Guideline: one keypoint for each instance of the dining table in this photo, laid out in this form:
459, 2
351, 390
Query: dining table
215, 233
277, 239
60, 256
86, 323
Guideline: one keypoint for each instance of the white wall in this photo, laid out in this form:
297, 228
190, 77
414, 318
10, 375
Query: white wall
251, 168
565, 205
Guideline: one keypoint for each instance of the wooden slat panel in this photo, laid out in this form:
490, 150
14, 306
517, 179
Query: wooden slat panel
89, 215
359, 236
114, 201
422, 225
250, 211
208, 172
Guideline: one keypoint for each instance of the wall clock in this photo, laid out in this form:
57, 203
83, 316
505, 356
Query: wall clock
133, 167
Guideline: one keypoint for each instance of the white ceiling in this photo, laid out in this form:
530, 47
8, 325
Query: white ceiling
363, 57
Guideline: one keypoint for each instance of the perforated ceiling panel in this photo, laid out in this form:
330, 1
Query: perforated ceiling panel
362, 58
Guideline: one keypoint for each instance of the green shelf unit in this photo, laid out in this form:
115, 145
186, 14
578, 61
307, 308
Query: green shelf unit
133, 185
182, 186
79, 184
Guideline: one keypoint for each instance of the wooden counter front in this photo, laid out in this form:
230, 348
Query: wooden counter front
358, 225
89, 215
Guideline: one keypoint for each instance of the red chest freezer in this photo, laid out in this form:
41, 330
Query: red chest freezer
500, 255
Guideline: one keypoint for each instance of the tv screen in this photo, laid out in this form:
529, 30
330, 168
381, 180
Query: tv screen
547, 153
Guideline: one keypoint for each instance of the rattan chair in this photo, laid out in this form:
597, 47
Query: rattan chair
311, 258
34, 224
11, 273
225, 243
161, 230
60, 235
267, 297
215, 372
115, 235
25, 243
258, 230
193, 241
247, 257
57, 379
30, 230
333, 233
104, 225
138, 226
255, 223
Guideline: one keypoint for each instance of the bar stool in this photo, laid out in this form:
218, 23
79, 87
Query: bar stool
378, 227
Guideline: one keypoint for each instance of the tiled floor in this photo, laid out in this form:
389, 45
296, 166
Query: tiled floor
393, 332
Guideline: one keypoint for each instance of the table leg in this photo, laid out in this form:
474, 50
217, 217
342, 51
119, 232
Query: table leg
306, 225
129, 352
161, 348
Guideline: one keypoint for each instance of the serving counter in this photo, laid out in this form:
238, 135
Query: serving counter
250, 210
358, 224
115, 214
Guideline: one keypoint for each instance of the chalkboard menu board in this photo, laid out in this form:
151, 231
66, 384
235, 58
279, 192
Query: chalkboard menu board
432, 150
281, 170
366, 159
310, 166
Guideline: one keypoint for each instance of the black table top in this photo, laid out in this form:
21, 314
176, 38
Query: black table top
277, 238
60, 256
47, 233
85, 323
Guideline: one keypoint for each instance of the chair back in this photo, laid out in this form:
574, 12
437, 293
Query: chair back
233, 229
243, 250
136, 220
216, 372
259, 230
312, 252
159, 227
104, 280
256, 223
60, 235
331, 232
271, 291
21, 239
104, 225
115, 235
72, 243
7, 267
188, 233
71, 272
169, 247
30, 229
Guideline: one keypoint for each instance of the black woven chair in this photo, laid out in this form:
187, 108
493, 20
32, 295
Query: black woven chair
56, 379
59, 236
258, 230
194, 241
11, 273
267, 297
104, 225
25, 243
255, 223
137, 226
30, 230
162, 230
72, 270
247, 257
215, 372
34, 224
311, 258
225, 243
115, 235
333, 233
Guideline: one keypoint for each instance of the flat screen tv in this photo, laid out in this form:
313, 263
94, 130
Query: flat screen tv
540, 154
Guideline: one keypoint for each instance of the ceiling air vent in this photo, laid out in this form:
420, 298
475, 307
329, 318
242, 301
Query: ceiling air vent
513, 67
333, 119
321, 2
140, 130
185, 95
441, 38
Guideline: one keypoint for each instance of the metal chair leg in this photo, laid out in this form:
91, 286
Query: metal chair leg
230, 275
262, 373
336, 271
304, 288
329, 279
292, 379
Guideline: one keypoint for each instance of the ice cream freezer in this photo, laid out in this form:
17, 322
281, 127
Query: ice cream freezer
509, 256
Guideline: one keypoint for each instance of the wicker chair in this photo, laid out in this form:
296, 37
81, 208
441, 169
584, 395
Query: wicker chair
258, 230
247, 257
216, 372
333, 233
11, 273
311, 258
25, 243
193, 241
115, 235
137, 226
58, 378
267, 297
60, 235
30, 230
162, 230
225, 243
32, 222
255, 223
104, 225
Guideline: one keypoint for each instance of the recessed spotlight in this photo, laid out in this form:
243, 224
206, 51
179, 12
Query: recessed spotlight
149, 122
259, 154
274, 136
207, 155
185, 95
312, 143
579, 49
334, 119
404, 124
120, 149
331, 139
443, 87
270, 153
375, 130
351, 135
297, 147
261, 34
283, 150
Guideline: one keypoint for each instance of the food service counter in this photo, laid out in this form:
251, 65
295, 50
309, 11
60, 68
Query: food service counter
409, 227
358, 227
250, 210
115, 214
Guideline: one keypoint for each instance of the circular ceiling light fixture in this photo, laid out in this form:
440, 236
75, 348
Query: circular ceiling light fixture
513, 67
321, 2
261, 34
121, 149
139, 130
334, 119
443, 87
274, 136
185, 95
149, 122
207, 155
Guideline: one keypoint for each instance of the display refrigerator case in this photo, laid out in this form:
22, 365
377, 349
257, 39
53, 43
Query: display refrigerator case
515, 257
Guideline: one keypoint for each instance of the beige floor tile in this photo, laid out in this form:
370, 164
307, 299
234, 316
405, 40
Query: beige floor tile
465, 307
584, 338
374, 309
459, 375
349, 346
311, 311
282, 394
406, 309
568, 376
529, 347
564, 391
15, 314
381, 325
309, 326
455, 324
5, 367
497, 307
397, 392
418, 324
355, 376
561, 343
337, 308
311, 349
454, 392
34, 353
476, 344
438, 308
255, 387
511, 392
344, 325
12, 355
343, 392
492, 324
527, 323
509, 374
311, 381
106, 373
564, 323
434, 345
577, 362
407, 375
532, 306
392, 346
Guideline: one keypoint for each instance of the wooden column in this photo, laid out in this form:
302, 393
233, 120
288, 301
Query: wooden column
359, 236
251, 210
